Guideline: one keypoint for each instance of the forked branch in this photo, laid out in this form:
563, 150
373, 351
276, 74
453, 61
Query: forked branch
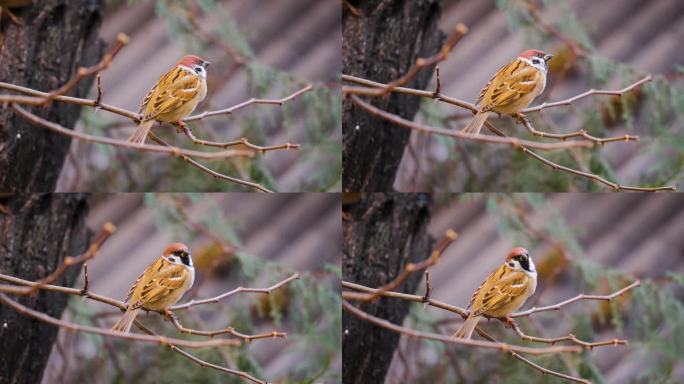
237, 290
522, 147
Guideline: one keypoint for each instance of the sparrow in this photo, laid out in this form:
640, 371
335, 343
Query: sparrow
503, 292
174, 96
512, 89
161, 285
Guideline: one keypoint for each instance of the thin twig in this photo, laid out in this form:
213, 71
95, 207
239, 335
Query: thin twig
243, 142
98, 98
511, 141
503, 347
590, 92
532, 364
107, 230
438, 87
570, 337
422, 62
231, 110
121, 40
492, 128
199, 361
436, 254
109, 333
581, 133
463, 313
229, 330
211, 172
173, 151
428, 289
84, 290
583, 296
216, 299
170, 342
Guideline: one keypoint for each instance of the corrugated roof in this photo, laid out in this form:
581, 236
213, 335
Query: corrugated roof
639, 234
300, 37
643, 34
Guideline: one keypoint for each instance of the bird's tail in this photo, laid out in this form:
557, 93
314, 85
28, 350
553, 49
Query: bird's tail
476, 123
138, 137
125, 322
466, 330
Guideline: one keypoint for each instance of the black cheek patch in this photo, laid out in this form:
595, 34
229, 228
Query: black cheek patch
186, 260
525, 263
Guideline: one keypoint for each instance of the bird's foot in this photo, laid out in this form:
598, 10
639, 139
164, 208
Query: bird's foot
520, 118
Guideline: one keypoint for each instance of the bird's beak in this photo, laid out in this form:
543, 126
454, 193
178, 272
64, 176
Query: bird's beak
547, 57
206, 64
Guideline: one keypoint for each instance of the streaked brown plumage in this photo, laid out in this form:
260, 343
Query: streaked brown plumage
161, 285
504, 291
512, 88
174, 96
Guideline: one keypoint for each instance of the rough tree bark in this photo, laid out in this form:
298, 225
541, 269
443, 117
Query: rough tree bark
381, 233
36, 235
381, 45
57, 37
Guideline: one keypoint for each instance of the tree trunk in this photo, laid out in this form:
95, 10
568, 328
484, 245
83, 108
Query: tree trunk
381, 45
36, 235
56, 38
381, 233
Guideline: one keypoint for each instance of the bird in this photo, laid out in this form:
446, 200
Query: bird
512, 88
174, 96
161, 285
503, 292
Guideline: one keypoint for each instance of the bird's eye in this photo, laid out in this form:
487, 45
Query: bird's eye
535, 61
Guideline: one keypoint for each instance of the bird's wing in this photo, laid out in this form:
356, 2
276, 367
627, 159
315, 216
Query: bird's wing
167, 279
501, 289
511, 83
175, 88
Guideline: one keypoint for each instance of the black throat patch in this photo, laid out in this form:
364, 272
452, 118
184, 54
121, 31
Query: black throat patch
186, 259
524, 263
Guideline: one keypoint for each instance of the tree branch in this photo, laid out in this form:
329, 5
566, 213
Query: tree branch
230, 330
557, 307
436, 254
199, 361
216, 299
464, 314
231, 110
243, 141
105, 332
174, 151
171, 342
39, 98
513, 142
590, 92
523, 148
581, 133
570, 337
211, 172
121, 40
503, 347
107, 230
460, 31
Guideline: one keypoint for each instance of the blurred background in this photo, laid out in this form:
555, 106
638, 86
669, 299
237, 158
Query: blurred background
580, 243
597, 44
250, 240
265, 49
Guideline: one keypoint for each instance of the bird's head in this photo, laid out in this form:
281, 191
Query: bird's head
195, 63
